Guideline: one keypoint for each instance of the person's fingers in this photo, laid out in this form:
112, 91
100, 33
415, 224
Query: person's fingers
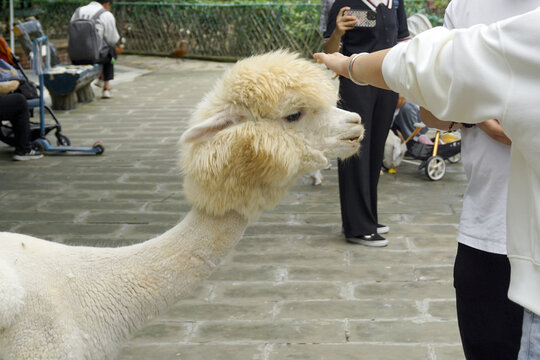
343, 9
319, 57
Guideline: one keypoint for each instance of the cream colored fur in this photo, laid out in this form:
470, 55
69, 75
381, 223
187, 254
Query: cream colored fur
243, 148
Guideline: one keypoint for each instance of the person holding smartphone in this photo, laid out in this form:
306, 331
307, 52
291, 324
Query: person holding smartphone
354, 27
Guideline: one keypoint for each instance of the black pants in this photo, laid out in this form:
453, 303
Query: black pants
108, 66
489, 323
106, 60
13, 107
359, 175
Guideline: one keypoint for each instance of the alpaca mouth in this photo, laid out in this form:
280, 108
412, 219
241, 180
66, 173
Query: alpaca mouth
352, 139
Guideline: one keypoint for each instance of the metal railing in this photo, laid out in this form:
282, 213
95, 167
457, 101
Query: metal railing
224, 31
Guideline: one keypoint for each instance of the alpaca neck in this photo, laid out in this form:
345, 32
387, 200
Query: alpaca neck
191, 250
170, 265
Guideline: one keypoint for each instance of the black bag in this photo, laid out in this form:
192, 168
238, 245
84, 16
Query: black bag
27, 89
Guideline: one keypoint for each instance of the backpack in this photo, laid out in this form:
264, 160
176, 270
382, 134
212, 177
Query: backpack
85, 46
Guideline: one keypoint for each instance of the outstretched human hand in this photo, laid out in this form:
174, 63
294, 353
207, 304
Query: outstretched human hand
336, 62
366, 69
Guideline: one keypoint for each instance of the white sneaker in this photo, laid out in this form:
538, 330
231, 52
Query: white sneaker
106, 94
31, 155
382, 229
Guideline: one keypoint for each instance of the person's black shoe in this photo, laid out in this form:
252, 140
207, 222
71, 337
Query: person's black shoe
382, 229
30, 155
368, 240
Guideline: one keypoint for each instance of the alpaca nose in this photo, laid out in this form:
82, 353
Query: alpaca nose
352, 117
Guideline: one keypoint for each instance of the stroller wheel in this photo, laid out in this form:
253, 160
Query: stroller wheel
62, 140
435, 168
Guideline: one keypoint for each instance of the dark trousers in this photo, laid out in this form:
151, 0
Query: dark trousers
359, 175
108, 66
489, 323
13, 107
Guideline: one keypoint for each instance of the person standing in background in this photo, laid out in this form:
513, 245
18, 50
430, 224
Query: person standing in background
364, 26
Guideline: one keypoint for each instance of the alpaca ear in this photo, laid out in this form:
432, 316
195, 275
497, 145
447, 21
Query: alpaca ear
208, 128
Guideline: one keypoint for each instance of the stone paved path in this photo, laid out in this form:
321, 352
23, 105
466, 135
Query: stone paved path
292, 289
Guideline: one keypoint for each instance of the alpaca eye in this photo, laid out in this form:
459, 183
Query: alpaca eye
293, 117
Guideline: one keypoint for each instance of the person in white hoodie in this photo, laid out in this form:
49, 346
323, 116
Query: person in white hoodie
489, 323
472, 75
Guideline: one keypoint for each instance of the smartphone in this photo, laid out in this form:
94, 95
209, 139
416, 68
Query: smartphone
366, 18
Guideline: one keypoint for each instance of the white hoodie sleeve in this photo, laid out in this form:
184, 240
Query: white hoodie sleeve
459, 75
110, 34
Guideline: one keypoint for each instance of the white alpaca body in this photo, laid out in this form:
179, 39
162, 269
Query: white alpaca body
69, 310
270, 119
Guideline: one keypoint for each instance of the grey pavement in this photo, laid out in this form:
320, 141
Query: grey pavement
292, 289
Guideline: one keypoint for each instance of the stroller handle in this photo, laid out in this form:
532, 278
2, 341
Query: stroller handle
39, 45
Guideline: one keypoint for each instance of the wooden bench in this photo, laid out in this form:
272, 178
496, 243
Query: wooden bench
69, 84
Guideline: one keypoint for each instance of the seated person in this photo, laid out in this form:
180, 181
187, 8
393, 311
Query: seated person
106, 27
13, 107
406, 119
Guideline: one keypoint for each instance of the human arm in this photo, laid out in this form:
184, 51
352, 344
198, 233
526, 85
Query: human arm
366, 68
343, 23
495, 131
110, 33
458, 74
491, 127
432, 121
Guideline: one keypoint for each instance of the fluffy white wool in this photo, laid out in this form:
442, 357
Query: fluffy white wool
270, 119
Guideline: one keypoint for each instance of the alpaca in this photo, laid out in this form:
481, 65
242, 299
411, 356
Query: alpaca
268, 120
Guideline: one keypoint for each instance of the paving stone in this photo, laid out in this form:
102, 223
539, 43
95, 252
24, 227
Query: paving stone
278, 331
442, 309
329, 256
131, 218
449, 352
238, 273
333, 309
404, 331
347, 352
192, 352
443, 272
163, 332
355, 273
189, 310
415, 290
36, 216
272, 292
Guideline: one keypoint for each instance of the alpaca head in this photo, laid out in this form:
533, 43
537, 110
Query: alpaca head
270, 118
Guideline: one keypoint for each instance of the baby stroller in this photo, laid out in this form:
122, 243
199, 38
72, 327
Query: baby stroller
39, 131
433, 156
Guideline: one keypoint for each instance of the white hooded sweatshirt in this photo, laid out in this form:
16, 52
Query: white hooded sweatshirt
481, 73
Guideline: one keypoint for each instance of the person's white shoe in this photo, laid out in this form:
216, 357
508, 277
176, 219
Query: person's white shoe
382, 229
106, 94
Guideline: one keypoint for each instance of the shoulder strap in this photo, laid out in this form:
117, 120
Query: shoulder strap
98, 14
